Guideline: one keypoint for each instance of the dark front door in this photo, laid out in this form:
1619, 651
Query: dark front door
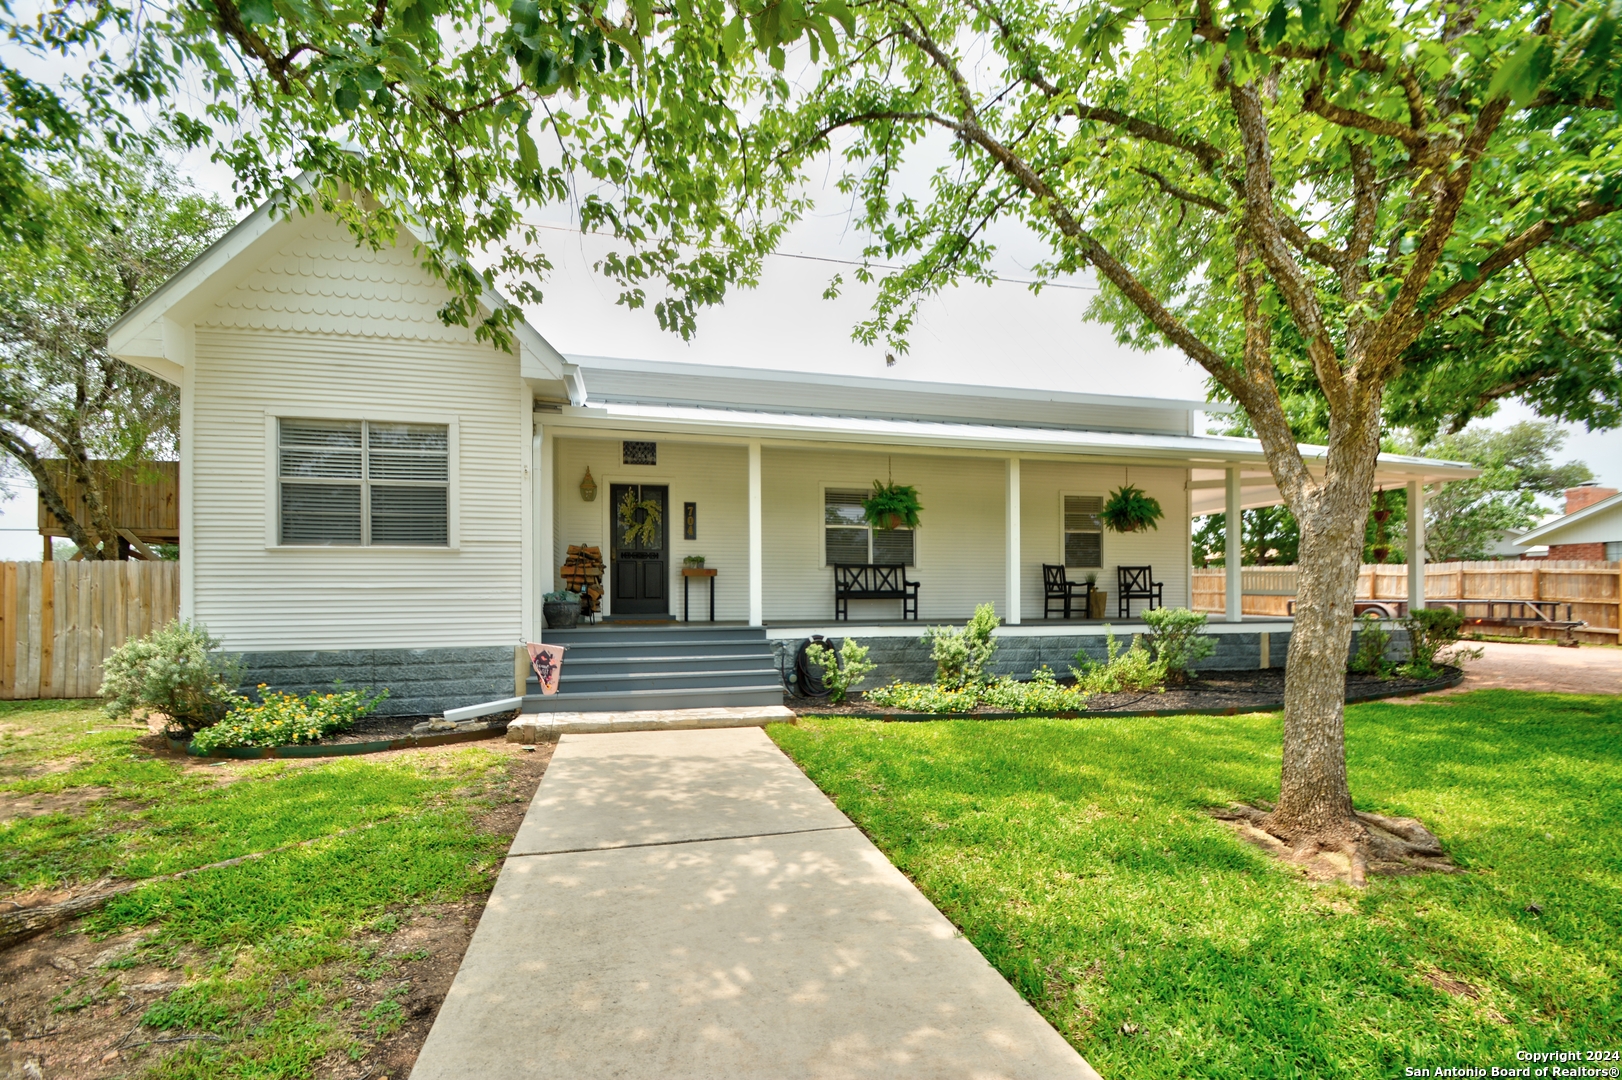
641, 547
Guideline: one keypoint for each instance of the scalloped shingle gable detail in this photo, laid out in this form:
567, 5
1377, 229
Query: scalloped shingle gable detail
322, 282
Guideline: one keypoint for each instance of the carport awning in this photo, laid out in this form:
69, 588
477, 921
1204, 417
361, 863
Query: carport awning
1208, 487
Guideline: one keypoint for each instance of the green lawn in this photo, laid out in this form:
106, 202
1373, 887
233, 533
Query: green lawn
1076, 856
266, 945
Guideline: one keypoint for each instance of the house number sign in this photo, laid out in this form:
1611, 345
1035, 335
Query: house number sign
689, 521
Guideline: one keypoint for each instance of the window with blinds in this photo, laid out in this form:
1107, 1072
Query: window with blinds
1083, 531
848, 538
364, 482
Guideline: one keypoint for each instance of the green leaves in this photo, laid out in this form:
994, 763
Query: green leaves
529, 159
347, 99
1522, 75
257, 12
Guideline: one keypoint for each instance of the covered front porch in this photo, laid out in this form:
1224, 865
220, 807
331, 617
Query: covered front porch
763, 475
771, 519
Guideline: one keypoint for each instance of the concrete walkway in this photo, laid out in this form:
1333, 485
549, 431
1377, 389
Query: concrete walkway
687, 904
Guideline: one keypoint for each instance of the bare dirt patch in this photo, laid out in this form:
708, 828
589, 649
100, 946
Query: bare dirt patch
65, 1013
70, 1015
72, 801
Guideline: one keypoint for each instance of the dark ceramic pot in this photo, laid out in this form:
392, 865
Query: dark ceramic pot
561, 615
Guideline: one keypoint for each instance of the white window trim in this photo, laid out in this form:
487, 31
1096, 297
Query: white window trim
822, 522
273, 470
1103, 557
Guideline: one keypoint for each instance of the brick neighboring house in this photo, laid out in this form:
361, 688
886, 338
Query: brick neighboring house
1591, 528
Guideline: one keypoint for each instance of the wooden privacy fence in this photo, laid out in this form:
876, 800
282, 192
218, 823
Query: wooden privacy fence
60, 620
1594, 589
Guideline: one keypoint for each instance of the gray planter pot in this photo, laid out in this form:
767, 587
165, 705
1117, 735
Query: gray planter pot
561, 616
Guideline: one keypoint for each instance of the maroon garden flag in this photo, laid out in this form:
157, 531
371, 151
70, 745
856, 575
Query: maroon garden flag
547, 660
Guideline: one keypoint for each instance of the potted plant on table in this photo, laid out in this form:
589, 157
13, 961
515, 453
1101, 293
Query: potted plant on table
693, 562
561, 608
1095, 597
892, 506
1129, 509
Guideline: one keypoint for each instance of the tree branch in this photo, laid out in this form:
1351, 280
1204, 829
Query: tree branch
1513, 249
1315, 102
1194, 198
1261, 223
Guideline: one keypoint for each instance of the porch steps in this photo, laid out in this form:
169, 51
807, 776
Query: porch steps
649, 668
546, 727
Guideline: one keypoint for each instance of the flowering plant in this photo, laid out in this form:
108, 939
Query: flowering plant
280, 719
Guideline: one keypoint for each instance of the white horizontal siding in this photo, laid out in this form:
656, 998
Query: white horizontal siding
308, 346
1041, 535
959, 547
715, 477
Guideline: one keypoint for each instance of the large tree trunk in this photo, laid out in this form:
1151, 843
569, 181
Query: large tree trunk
1315, 801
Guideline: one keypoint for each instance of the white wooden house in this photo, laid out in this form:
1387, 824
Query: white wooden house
368, 493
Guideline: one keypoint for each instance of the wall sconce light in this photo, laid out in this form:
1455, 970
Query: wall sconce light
588, 487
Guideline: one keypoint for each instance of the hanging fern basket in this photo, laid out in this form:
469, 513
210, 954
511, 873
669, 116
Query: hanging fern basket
1128, 510
892, 506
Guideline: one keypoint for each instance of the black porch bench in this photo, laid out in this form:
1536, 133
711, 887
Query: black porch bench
869, 581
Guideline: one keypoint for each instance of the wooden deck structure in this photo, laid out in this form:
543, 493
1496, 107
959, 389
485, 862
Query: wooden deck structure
145, 501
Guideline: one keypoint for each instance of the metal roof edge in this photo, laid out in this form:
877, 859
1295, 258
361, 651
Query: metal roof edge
812, 378
1532, 537
1081, 440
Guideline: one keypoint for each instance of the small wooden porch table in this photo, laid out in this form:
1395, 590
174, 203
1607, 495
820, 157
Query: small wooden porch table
688, 573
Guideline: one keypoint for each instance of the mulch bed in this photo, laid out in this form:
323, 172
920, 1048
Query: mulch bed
383, 729
1212, 692
379, 728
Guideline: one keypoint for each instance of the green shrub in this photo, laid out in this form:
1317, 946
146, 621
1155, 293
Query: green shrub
1134, 669
1372, 642
840, 673
279, 719
177, 671
1041, 694
1177, 639
1430, 632
922, 697
961, 656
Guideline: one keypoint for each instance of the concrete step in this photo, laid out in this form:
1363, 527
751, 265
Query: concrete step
577, 683
546, 727
693, 646
675, 698
675, 632
591, 664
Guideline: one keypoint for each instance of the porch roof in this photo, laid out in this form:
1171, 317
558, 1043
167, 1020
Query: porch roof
619, 381
1208, 456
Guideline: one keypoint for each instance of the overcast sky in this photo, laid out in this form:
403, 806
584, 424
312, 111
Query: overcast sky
1000, 334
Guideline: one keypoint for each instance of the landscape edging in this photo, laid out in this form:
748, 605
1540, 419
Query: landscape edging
316, 750
1454, 678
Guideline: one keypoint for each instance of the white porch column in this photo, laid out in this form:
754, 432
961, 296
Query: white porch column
545, 486
1011, 586
1233, 606
1416, 545
757, 604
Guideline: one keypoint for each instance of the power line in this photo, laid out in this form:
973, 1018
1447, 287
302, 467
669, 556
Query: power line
845, 262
